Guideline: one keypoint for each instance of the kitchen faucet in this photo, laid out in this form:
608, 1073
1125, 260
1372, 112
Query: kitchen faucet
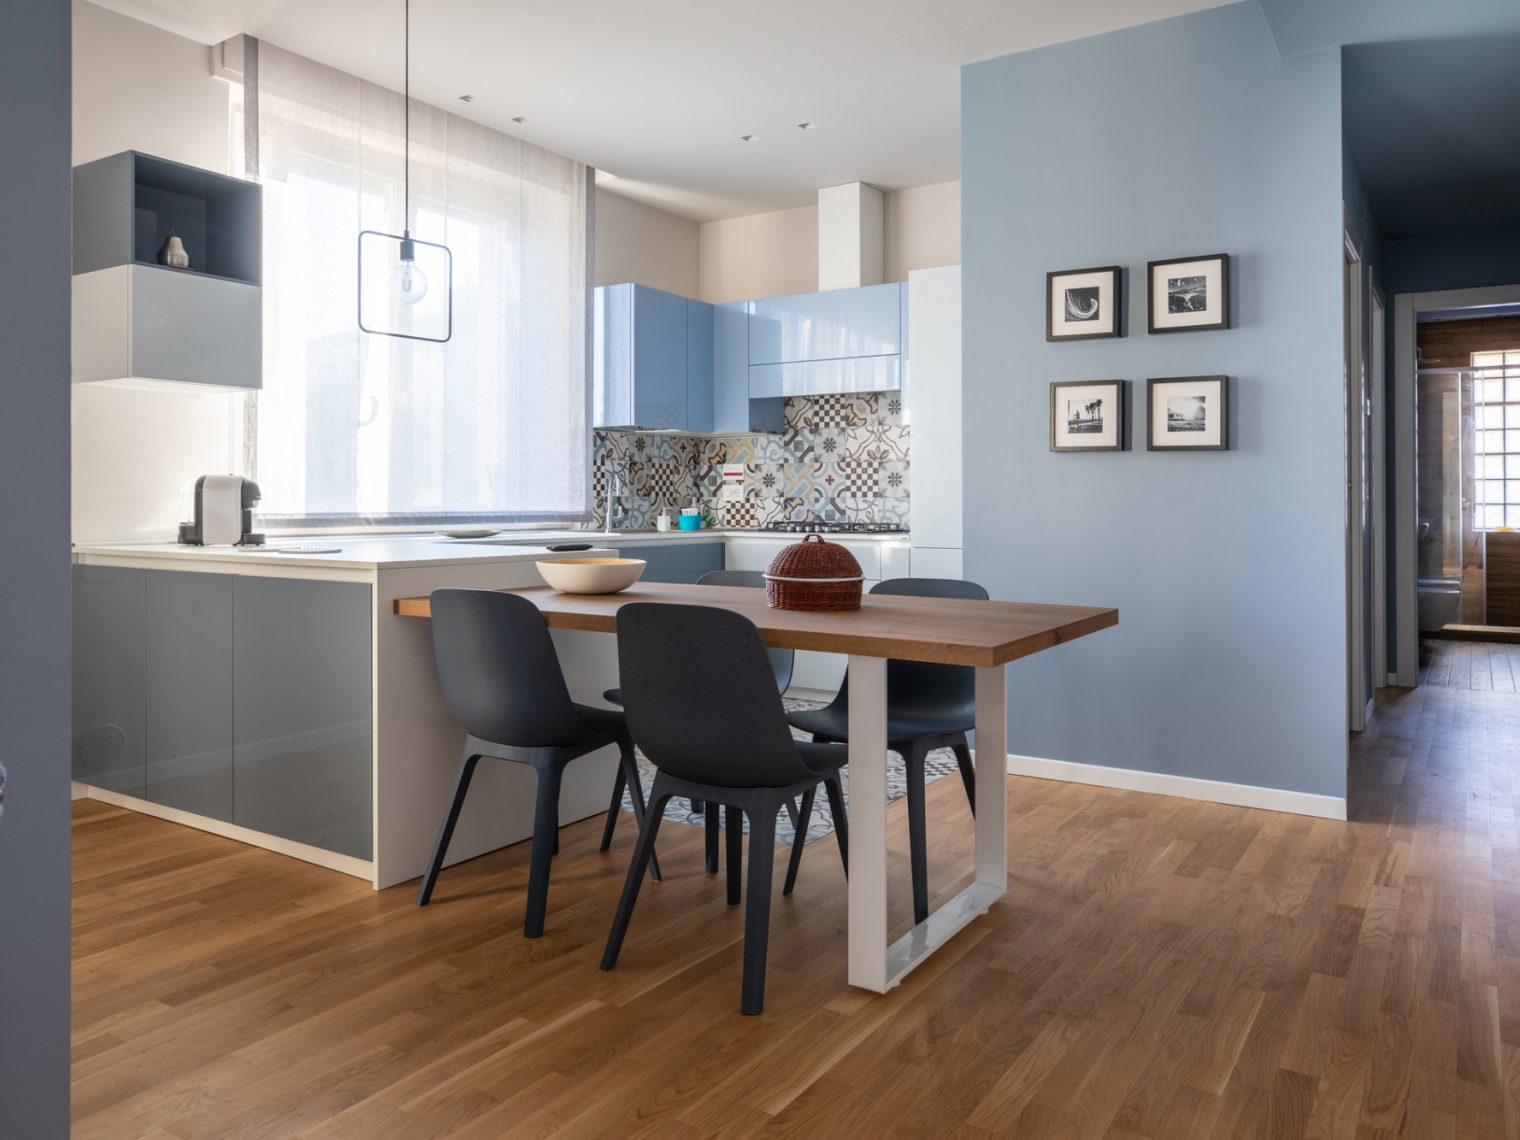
617, 487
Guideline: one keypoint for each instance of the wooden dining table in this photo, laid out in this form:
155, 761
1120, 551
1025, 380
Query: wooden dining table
985, 635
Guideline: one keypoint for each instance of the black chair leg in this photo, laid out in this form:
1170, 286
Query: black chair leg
446, 832
835, 791
615, 808
628, 770
792, 813
918, 852
710, 823
642, 851
545, 839
968, 773
804, 814
757, 910
733, 820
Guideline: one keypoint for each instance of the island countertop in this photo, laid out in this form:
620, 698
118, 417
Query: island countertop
351, 553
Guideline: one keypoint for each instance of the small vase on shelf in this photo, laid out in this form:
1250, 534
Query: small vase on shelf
172, 252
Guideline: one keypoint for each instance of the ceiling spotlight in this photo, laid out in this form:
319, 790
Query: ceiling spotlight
519, 118
467, 98
804, 126
748, 138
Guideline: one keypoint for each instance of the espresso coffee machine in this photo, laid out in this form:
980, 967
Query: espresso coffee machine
220, 512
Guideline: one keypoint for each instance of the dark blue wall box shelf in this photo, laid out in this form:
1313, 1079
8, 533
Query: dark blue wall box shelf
127, 204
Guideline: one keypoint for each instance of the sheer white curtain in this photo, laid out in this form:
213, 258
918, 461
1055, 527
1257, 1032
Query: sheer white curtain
353, 428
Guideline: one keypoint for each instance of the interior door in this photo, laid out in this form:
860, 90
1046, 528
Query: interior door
1359, 686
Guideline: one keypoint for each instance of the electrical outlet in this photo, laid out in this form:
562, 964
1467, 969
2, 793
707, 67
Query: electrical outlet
733, 493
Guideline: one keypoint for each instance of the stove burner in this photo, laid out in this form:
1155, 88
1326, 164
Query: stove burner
819, 526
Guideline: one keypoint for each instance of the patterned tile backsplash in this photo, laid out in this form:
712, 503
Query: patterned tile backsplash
841, 458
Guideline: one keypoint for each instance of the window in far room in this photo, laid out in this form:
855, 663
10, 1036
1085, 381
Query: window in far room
1496, 450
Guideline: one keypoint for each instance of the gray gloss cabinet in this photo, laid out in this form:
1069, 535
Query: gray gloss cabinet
681, 561
187, 678
236, 698
301, 711
110, 710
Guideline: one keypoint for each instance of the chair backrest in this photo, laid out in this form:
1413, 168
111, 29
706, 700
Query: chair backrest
921, 687
782, 660
700, 696
499, 672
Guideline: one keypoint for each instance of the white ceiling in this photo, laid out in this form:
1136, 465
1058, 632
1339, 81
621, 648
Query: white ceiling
657, 92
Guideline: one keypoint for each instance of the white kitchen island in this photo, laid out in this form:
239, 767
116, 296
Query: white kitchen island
143, 736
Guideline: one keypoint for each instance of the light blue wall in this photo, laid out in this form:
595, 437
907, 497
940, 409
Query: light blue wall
1302, 26
1183, 137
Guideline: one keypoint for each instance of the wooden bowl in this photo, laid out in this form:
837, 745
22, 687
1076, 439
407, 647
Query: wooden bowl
591, 575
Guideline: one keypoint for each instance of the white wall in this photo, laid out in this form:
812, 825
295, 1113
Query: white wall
137, 87
923, 228
759, 255
768, 255
635, 242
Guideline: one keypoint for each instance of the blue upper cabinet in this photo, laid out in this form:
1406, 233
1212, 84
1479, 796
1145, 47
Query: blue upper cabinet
837, 325
699, 366
737, 408
640, 358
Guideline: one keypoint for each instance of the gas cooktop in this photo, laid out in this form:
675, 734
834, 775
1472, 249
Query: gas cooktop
819, 526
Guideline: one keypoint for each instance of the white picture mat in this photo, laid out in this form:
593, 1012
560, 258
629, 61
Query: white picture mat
1211, 391
1113, 418
1211, 269
1105, 322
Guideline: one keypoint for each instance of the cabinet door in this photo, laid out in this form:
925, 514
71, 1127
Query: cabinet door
699, 366
825, 377
679, 561
835, 325
735, 407
612, 356
109, 658
659, 359
301, 711
188, 683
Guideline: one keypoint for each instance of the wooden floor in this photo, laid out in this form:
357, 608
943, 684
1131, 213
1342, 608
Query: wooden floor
1488, 666
1160, 968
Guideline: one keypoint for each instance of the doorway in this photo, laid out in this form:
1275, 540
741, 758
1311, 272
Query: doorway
1358, 405
1456, 549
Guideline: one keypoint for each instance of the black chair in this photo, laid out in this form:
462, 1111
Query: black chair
502, 681
928, 706
718, 735
782, 662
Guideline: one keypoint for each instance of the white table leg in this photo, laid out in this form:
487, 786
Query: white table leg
874, 964
992, 779
868, 823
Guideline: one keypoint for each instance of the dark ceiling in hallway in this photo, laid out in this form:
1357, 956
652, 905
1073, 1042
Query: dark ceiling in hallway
1434, 127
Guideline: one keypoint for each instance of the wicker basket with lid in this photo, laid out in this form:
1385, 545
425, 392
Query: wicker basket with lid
813, 575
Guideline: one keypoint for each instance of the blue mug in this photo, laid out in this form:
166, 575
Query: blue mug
689, 522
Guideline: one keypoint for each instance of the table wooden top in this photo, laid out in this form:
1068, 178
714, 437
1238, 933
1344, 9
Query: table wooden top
952, 631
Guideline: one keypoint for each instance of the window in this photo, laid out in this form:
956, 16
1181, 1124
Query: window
1496, 452
356, 429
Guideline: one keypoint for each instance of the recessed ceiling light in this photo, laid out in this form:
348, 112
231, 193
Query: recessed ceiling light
804, 126
519, 118
467, 98
749, 138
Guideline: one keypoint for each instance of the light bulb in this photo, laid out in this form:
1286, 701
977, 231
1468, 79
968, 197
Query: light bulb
411, 283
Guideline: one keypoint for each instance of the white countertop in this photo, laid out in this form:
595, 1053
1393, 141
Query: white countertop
353, 553
382, 552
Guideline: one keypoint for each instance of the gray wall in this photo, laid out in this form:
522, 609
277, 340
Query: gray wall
1188, 136
34, 570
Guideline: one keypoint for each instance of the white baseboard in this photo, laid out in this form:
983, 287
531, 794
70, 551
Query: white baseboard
1187, 787
77, 791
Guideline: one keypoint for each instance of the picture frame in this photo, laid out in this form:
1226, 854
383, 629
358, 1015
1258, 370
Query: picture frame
1088, 415
1188, 294
1187, 413
1084, 304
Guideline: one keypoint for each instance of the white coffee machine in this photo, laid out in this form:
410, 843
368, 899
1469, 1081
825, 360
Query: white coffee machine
218, 511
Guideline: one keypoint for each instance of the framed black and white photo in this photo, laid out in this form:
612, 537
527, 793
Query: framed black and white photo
1087, 415
1083, 304
1188, 413
1189, 294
